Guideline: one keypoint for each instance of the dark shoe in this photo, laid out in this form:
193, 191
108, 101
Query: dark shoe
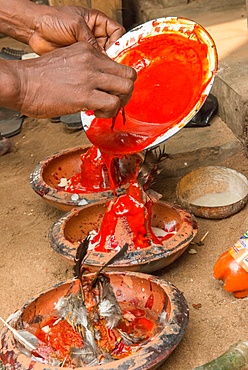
11, 54
55, 120
72, 121
10, 122
204, 115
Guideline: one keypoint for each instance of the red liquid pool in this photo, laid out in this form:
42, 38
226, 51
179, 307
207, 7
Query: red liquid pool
100, 172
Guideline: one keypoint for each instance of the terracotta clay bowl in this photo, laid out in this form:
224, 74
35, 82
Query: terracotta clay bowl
169, 307
65, 164
213, 192
66, 234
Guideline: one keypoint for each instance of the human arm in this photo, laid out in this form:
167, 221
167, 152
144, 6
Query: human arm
45, 28
71, 78
64, 81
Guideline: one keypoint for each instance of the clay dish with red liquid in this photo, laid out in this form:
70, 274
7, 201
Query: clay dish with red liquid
169, 308
64, 164
66, 234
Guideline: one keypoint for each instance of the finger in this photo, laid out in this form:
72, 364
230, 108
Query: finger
125, 99
105, 29
103, 104
40, 46
108, 35
111, 67
115, 85
92, 41
114, 35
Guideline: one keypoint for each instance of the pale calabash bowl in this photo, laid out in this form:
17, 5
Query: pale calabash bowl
170, 25
66, 233
66, 163
169, 304
229, 186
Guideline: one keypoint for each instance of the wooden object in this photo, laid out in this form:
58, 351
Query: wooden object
112, 8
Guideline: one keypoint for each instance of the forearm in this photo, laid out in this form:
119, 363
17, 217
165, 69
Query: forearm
17, 18
10, 85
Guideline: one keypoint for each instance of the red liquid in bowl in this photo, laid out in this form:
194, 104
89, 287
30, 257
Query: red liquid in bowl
173, 72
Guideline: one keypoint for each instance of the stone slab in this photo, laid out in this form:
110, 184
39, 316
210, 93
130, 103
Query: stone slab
193, 147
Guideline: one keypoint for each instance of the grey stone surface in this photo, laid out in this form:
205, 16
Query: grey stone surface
193, 147
149, 9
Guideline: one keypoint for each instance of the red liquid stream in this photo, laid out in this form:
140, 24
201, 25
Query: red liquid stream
94, 175
172, 74
137, 214
99, 172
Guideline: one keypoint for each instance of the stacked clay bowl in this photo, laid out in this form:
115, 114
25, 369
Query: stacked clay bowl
169, 309
72, 228
65, 164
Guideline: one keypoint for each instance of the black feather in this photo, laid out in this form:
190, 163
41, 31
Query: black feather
117, 256
80, 256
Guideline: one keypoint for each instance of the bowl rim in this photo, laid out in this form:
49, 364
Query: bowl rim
239, 175
66, 249
155, 352
221, 211
63, 197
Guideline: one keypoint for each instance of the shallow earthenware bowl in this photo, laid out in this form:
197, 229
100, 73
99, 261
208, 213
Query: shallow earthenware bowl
213, 192
169, 306
66, 234
65, 164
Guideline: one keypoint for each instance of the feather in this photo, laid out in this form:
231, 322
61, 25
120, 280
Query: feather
150, 167
117, 256
73, 310
28, 340
80, 256
83, 356
153, 195
129, 339
108, 307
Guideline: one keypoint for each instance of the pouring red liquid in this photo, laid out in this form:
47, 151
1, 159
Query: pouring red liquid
176, 61
175, 67
173, 74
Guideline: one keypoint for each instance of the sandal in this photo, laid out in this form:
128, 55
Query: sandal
10, 122
11, 54
72, 121
204, 115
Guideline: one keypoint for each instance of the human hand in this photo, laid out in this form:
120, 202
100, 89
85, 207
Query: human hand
56, 27
69, 80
